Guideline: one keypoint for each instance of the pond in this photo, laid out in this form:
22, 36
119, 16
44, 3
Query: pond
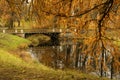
54, 56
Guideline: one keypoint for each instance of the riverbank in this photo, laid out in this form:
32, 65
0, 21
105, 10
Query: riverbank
14, 67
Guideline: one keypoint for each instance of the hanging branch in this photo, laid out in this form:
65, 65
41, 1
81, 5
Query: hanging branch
106, 9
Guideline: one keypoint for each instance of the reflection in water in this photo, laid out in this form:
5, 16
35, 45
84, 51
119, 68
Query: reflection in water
39, 52
54, 56
33, 54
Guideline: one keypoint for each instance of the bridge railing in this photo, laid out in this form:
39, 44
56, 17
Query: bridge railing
38, 30
31, 30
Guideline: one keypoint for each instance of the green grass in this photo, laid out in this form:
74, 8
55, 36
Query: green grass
11, 42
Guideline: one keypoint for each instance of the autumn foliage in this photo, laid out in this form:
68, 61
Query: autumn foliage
97, 28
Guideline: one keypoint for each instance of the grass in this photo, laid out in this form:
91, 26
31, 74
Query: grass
13, 68
11, 42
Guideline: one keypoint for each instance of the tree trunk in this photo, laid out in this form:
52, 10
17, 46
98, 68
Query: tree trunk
18, 22
10, 24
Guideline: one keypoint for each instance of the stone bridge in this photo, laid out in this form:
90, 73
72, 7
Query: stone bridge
52, 33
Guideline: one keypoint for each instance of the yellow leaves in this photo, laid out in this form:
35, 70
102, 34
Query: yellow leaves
90, 40
116, 65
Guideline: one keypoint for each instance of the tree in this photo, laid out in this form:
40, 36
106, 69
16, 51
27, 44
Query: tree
12, 11
96, 13
97, 24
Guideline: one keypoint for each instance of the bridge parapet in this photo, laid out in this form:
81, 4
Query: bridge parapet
32, 30
52, 30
